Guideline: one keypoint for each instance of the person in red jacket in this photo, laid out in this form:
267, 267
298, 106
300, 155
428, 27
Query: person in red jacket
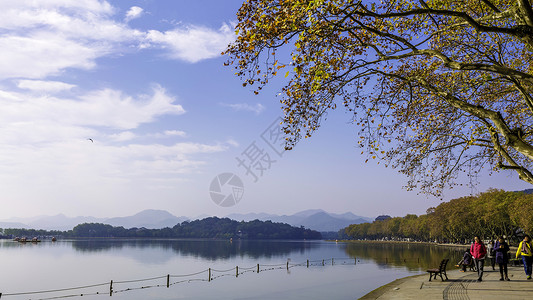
478, 251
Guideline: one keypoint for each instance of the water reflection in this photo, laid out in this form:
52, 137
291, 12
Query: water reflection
74, 263
205, 249
413, 256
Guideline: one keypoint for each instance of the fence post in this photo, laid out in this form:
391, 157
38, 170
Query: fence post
308, 263
322, 262
257, 268
111, 288
355, 260
332, 261
168, 280
237, 271
287, 265
209, 279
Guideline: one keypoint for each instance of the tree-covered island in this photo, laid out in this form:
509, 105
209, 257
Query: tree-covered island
212, 228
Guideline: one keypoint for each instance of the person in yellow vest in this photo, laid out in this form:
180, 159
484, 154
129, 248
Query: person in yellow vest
525, 249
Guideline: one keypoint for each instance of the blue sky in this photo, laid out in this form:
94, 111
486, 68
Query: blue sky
112, 107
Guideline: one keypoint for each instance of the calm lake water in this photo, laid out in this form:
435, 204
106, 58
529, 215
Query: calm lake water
357, 268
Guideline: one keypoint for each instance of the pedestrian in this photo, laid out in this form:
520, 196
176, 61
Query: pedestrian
478, 251
524, 249
466, 261
501, 248
491, 254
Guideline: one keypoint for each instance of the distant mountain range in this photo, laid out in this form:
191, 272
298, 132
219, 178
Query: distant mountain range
315, 219
150, 218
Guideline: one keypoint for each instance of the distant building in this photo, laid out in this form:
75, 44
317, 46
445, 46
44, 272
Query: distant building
383, 218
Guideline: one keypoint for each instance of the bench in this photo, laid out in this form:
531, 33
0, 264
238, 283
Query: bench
515, 262
472, 265
440, 271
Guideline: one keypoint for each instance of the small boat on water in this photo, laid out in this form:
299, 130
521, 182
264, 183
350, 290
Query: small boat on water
25, 240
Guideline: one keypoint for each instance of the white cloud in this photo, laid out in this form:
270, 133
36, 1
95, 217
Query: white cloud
123, 136
48, 53
257, 108
233, 143
26, 118
45, 143
46, 121
94, 6
44, 86
175, 133
133, 13
165, 134
55, 35
113, 109
193, 43
72, 169
15, 14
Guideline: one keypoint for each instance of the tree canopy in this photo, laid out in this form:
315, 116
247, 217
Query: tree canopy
437, 87
212, 227
488, 215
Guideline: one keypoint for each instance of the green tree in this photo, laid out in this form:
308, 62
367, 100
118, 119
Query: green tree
438, 87
93, 230
520, 212
488, 215
422, 228
408, 226
494, 210
392, 227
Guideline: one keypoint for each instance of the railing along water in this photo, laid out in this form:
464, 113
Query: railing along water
167, 280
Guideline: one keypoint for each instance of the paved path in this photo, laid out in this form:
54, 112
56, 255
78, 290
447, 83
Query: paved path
459, 286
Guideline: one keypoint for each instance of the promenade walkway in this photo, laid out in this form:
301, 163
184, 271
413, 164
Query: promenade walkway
459, 286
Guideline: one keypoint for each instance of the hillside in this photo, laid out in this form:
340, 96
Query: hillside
315, 219
212, 228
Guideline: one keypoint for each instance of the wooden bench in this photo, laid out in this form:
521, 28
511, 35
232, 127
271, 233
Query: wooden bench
440, 271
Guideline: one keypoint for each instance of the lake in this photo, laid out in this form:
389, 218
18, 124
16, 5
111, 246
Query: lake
356, 268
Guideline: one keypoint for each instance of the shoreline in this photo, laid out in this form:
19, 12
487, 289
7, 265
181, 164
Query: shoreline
458, 286
380, 291
513, 248
417, 283
398, 242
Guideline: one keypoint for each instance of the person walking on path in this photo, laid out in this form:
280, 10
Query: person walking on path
491, 254
500, 249
524, 249
478, 251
